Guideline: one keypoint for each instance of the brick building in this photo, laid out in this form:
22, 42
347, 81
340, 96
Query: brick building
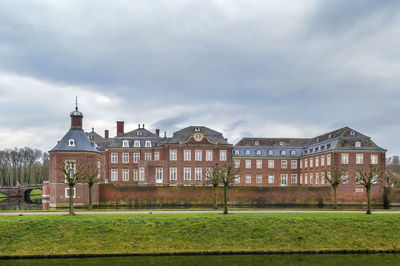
144, 158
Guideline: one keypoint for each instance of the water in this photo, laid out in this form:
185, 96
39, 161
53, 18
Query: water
327, 259
20, 203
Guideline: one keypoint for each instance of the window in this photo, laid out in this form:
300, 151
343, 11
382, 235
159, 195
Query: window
305, 163
316, 161
328, 159
311, 162
67, 193
283, 164
294, 164
136, 144
114, 157
71, 165
236, 152
159, 175
292, 152
305, 178
71, 143
208, 173
141, 174
237, 179
358, 178
322, 178
270, 164
311, 178
293, 179
136, 157
147, 156
357, 144
98, 169
125, 174
317, 178
301, 164
270, 152
374, 159
301, 179
322, 160
197, 155
258, 152
147, 144
328, 176
259, 179
186, 173
237, 163
172, 155
352, 133
172, 174
125, 143
270, 179
374, 180
114, 174
256, 142
259, 164
345, 178
359, 158
186, 155
248, 179
209, 156
284, 180
345, 158
281, 143
157, 156
197, 174
283, 152
248, 164
135, 174
222, 155
125, 157
247, 152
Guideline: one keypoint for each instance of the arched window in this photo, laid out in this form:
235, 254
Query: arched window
125, 143
71, 143
270, 152
247, 152
136, 144
358, 144
283, 152
147, 144
258, 152
237, 152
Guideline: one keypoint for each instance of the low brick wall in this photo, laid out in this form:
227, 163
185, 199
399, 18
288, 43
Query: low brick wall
140, 196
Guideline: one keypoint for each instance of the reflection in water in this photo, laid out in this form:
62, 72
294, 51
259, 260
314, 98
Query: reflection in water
20, 203
343, 260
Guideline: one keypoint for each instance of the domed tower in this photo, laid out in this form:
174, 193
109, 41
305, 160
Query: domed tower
74, 146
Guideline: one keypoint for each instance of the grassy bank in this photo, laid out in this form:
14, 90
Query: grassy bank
3, 195
99, 234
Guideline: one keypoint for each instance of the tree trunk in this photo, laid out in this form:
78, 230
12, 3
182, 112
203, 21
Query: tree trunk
225, 199
368, 201
334, 198
71, 200
215, 198
90, 196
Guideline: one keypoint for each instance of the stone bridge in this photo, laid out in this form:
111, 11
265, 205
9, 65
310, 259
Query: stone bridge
20, 191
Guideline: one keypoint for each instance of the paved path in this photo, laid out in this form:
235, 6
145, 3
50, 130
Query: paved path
185, 212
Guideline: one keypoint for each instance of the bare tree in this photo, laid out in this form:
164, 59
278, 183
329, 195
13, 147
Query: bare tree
335, 178
90, 175
393, 171
73, 176
213, 177
228, 175
367, 179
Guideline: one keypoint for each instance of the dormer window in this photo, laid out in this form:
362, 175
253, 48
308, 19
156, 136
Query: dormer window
139, 133
258, 152
330, 136
317, 139
316, 149
352, 133
283, 152
197, 129
71, 143
281, 143
247, 152
270, 152
358, 144
256, 142
125, 143
237, 152
328, 146
136, 144
147, 144
293, 152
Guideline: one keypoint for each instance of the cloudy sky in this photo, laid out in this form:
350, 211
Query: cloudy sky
245, 68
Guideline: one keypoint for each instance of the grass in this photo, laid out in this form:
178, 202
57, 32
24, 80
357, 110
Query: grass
36, 192
112, 234
3, 195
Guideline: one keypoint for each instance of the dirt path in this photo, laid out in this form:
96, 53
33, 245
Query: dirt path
184, 212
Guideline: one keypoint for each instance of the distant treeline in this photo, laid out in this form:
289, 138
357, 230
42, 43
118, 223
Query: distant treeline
23, 166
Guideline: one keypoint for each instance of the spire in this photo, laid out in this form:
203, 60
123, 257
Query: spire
76, 103
76, 116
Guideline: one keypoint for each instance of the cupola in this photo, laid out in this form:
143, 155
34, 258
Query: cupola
76, 117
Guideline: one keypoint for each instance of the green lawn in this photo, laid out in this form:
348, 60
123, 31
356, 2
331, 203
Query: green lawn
36, 192
95, 234
3, 195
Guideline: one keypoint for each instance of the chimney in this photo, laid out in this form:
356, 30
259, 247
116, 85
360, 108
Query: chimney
106, 134
143, 126
157, 132
120, 128
138, 125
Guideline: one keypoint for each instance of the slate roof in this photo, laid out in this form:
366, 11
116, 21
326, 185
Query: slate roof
183, 135
82, 142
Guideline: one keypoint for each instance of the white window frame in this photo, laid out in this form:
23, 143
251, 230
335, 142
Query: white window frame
173, 173
293, 164
156, 156
147, 144
311, 162
283, 164
271, 164
305, 163
125, 157
305, 178
147, 156
172, 155
328, 160
317, 161
141, 174
293, 179
301, 179
248, 164
159, 175
136, 144
187, 173
71, 143
198, 172
135, 174
311, 178
259, 164
114, 175
237, 163
317, 178
344, 158
248, 179
259, 178
187, 155
284, 180
67, 193
359, 158
136, 157
114, 157
198, 155
301, 164
222, 155
125, 144
271, 179
209, 155
374, 158
237, 179
125, 174
322, 178
322, 160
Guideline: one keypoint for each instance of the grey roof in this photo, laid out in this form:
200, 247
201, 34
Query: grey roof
82, 142
140, 133
184, 135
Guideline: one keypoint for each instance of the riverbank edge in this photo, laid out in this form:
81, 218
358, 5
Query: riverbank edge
204, 253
